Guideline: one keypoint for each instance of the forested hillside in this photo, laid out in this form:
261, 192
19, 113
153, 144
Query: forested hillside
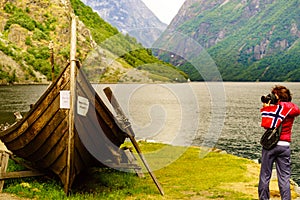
28, 28
249, 40
125, 47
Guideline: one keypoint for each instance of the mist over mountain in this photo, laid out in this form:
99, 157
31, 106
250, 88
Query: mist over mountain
130, 16
245, 40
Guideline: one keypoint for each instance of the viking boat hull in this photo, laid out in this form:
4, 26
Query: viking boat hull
45, 139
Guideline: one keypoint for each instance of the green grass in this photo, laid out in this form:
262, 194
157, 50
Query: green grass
182, 173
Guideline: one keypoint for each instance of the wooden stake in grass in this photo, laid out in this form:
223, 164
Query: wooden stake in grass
70, 157
127, 127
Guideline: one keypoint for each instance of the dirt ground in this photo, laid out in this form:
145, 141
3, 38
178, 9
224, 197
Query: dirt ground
251, 187
6, 196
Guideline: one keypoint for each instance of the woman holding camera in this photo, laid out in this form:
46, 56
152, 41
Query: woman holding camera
281, 153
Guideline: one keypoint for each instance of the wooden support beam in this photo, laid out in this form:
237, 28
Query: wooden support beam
4, 157
19, 174
128, 129
132, 160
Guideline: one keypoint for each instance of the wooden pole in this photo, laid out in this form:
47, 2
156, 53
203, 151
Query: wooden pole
52, 59
127, 126
70, 159
4, 157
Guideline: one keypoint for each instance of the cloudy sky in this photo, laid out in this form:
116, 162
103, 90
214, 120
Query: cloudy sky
165, 10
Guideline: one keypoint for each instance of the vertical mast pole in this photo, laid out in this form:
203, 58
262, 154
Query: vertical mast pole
70, 159
52, 59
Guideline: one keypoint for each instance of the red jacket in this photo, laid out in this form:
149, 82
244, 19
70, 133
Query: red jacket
287, 124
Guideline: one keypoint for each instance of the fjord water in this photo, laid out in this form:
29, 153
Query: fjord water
182, 114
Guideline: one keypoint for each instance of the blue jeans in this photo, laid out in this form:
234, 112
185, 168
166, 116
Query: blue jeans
281, 155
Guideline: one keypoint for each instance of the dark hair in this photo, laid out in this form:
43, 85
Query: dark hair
283, 93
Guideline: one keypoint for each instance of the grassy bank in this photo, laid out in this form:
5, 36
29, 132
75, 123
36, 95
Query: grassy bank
190, 176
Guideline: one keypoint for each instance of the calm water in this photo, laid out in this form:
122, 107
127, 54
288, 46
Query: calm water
224, 115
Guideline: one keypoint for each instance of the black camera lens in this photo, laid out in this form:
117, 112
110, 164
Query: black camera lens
265, 99
269, 98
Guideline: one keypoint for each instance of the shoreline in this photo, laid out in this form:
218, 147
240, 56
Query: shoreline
153, 83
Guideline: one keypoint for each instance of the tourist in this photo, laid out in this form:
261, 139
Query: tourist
281, 153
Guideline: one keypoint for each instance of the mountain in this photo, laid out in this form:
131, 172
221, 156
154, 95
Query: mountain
31, 30
235, 40
130, 16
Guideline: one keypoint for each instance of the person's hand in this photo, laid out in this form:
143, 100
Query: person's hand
266, 104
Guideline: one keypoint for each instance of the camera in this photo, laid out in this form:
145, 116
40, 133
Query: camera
270, 97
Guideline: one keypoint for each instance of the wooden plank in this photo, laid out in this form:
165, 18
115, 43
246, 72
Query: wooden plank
4, 157
36, 128
53, 126
133, 161
57, 138
20, 174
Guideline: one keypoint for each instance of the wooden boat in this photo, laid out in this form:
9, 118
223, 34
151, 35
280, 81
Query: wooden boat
70, 129
43, 135
65, 141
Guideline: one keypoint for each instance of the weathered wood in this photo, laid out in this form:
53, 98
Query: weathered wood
19, 174
100, 109
70, 156
47, 140
4, 157
52, 59
125, 124
133, 161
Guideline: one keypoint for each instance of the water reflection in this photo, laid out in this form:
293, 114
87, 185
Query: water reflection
17, 98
